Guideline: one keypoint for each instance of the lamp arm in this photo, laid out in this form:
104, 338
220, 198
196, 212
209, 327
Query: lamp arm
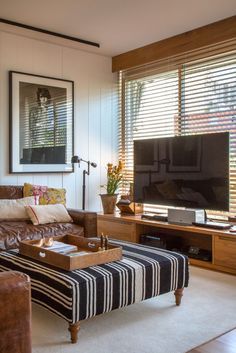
76, 159
88, 168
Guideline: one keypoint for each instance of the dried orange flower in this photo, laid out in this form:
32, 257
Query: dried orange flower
114, 177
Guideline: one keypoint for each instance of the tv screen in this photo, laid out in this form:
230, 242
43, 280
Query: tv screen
183, 171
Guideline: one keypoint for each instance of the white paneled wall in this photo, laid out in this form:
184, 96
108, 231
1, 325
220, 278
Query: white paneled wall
95, 111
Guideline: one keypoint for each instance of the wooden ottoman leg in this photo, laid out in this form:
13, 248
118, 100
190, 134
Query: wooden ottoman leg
74, 329
178, 295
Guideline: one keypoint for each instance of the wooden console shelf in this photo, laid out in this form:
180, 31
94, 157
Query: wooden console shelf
222, 244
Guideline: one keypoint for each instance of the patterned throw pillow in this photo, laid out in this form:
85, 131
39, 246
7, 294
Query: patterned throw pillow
46, 195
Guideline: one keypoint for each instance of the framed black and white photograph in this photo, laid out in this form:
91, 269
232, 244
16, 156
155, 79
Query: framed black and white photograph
41, 123
184, 154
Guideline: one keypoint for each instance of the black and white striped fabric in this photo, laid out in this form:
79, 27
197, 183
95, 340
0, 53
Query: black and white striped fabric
144, 272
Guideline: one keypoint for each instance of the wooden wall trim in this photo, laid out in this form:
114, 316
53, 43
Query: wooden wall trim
207, 35
45, 31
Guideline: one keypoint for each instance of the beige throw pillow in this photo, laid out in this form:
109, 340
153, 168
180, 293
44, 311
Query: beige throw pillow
43, 214
14, 209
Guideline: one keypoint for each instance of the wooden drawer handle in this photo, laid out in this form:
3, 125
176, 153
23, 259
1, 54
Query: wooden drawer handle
226, 238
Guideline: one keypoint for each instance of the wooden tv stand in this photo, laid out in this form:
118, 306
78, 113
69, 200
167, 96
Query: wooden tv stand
222, 244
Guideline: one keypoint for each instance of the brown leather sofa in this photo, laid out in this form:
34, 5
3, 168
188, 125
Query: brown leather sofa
15, 313
11, 233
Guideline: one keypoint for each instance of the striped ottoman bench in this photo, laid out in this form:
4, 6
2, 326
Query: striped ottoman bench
144, 272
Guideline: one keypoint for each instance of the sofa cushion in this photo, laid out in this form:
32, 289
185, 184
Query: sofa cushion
46, 195
11, 192
11, 233
15, 209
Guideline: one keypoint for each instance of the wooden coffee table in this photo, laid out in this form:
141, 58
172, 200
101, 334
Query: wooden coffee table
144, 272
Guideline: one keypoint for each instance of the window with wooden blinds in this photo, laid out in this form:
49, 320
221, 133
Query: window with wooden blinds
193, 97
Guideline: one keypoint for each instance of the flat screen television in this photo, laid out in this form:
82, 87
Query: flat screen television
183, 171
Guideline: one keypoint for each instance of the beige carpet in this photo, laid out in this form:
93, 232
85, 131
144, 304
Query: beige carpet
154, 326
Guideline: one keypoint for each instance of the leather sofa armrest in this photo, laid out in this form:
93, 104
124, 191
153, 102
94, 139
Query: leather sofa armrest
15, 312
85, 219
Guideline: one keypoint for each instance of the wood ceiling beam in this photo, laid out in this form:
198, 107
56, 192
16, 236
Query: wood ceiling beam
210, 34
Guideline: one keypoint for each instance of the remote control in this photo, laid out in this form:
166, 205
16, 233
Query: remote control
213, 225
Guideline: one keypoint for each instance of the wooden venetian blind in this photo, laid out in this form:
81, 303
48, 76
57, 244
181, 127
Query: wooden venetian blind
208, 103
191, 94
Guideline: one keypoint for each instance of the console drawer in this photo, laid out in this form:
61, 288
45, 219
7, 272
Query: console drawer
225, 251
117, 229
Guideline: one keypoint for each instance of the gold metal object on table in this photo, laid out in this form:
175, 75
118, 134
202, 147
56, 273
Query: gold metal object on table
48, 241
44, 242
39, 243
103, 242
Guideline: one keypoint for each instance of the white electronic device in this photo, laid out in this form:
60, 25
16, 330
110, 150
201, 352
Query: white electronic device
185, 216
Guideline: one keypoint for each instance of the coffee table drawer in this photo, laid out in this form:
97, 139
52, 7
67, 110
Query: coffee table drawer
118, 230
225, 251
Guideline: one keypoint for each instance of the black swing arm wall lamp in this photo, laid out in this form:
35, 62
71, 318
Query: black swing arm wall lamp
76, 159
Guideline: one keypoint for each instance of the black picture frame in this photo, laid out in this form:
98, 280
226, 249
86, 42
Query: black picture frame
41, 124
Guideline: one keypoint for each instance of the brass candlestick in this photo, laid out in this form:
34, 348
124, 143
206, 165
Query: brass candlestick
106, 242
102, 242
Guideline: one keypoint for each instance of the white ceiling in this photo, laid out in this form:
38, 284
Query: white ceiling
118, 25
